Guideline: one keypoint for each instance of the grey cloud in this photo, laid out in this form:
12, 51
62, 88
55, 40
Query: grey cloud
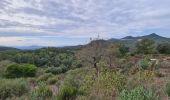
107, 16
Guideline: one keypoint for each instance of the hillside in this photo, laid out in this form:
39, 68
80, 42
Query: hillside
131, 41
2, 48
152, 36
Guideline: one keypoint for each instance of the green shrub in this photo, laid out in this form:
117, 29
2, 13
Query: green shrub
52, 80
140, 78
67, 92
113, 79
138, 93
42, 92
44, 77
168, 88
56, 70
20, 70
144, 63
163, 48
103, 87
13, 88
123, 50
3, 65
145, 46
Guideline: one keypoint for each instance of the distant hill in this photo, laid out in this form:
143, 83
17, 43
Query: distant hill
152, 36
3, 48
130, 40
34, 47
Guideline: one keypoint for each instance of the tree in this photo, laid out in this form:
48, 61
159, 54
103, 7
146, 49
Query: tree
123, 50
91, 54
163, 48
111, 55
145, 46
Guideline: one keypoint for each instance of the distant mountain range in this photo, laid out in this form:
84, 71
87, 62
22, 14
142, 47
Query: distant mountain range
16, 48
152, 36
131, 41
33, 47
128, 40
3, 48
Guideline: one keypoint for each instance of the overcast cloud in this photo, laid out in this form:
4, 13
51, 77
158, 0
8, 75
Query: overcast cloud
80, 19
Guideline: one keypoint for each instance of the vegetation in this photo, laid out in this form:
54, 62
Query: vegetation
138, 93
41, 93
168, 88
100, 70
13, 88
145, 46
67, 93
164, 48
20, 70
123, 50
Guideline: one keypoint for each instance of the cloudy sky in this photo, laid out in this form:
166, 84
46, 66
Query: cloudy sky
73, 22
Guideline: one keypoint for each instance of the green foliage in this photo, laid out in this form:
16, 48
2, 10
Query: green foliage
115, 79
163, 48
87, 84
41, 93
13, 88
67, 92
3, 65
140, 78
144, 64
168, 88
52, 57
57, 70
123, 50
20, 70
44, 77
103, 87
145, 46
138, 93
52, 81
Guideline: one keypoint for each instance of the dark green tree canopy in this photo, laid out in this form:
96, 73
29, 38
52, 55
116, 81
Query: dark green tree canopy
163, 48
21, 70
145, 46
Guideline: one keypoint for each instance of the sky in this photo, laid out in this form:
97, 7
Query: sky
74, 22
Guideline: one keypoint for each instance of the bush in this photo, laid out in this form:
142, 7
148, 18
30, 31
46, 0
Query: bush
138, 93
163, 48
145, 46
3, 65
41, 93
52, 80
44, 77
20, 70
13, 88
145, 63
140, 78
57, 70
103, 87
123, 50
113, 80
67, 92
168, 88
